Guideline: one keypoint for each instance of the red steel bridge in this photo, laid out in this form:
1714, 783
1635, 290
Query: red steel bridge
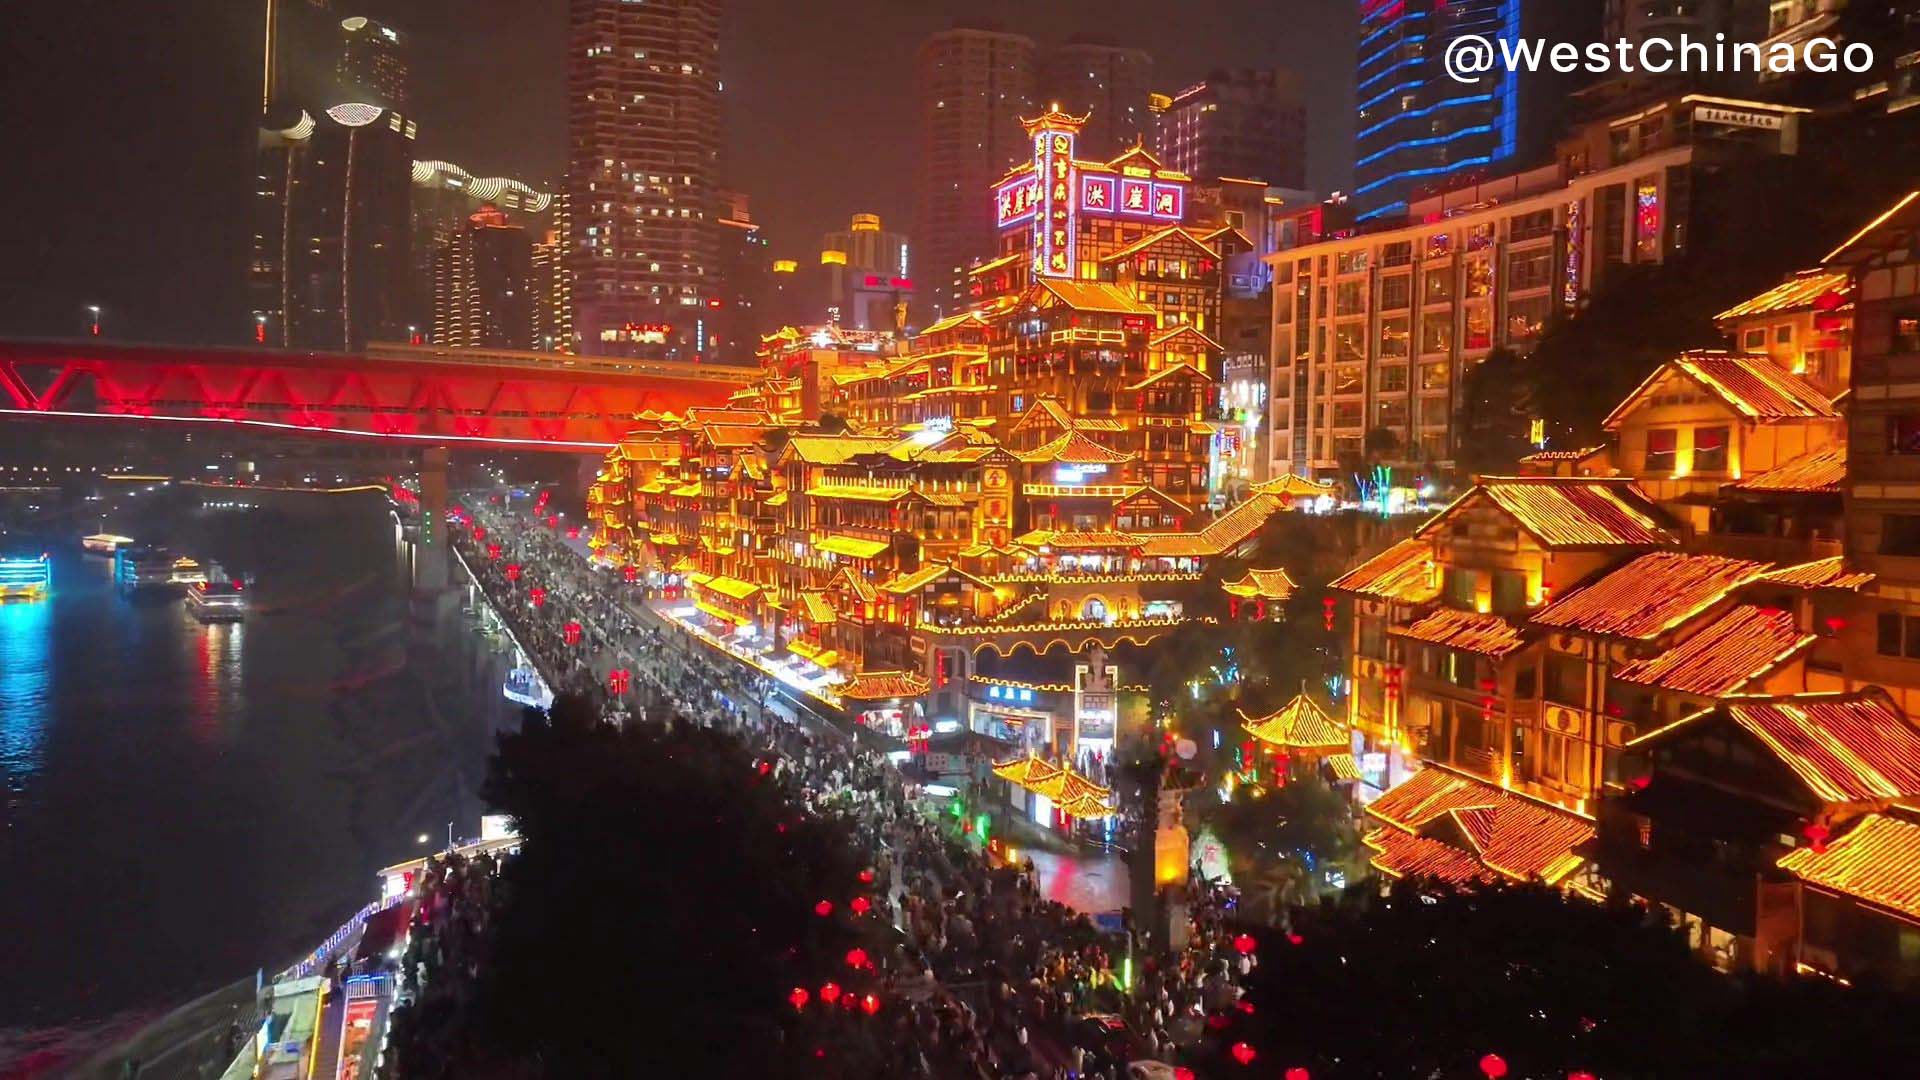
422, 395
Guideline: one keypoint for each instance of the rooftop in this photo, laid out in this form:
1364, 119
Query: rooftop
1650, 595
1571, 512
1877, 861
1740, 646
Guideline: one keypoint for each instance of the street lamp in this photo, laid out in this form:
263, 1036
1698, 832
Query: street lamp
94, 310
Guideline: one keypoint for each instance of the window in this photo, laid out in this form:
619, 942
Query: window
1349, 344
1346, 414
1663, 450
1434, 376
1479, 276
1754, 340
1527, 319
1903, 433
1348, 298
1783, 334
1900, 534
1479, 328
1396, 292
1710, 450
1566, 682
1899, 635
1393, 413
1528, 226
1906, 334
1438, 245
1346, 379
1509, 591
1439, 286
1436, 334
1461, 586
1393, 336
1433, 412
1397, 254
1480, 237
1530, 269
1393, 379
1351, 262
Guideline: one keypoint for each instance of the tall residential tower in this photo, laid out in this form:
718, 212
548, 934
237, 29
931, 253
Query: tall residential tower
643, 134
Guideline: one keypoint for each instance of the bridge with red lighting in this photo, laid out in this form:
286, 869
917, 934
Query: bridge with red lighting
423, 395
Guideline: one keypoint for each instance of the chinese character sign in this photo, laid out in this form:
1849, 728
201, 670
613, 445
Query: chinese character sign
1053, 240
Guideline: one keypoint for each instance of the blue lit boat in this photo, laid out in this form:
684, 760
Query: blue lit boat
25, 577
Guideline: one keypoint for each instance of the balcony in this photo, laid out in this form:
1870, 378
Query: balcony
1776, 549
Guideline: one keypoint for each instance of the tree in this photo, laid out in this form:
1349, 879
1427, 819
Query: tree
1382, 444
661, 909
1283, 841
1425, 982
1495, 411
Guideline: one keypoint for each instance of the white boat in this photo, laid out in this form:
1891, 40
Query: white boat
105, 543
187, 571
217, 601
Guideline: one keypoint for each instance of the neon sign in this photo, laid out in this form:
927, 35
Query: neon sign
1053, 240
1015, 200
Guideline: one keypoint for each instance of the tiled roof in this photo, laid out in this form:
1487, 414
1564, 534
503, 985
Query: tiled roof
1829, 573
1542, 456
1225, 533
1403, 572
1650, 595
1878, 861
860, 587
1288, 485
1819, 472
1752, 385
1264, 584
1471, 631
857, 492
1301, 725
1845, 748
1100, 297
881, 685
1742, 645
1571, 512
815, 609
851, 546
730, 587
1171, 232
1343, 766
1506, 833
1075, 448
1797, 293
836, 449
1400, 854
733, 436
1174, 333
1171, 371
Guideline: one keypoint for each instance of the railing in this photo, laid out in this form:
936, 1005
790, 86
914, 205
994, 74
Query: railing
326, 949
543, 361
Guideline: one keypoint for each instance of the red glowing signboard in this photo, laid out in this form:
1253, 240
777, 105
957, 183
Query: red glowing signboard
1016, 200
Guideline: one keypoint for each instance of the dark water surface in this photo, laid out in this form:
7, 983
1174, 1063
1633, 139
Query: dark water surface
182, 804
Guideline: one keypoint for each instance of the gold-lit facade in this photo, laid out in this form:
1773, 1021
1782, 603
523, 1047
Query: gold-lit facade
1033, 478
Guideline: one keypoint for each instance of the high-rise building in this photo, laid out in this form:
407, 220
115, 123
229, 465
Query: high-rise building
1246, 124
1107, 83
553, 284
373, 64
643, 132
445, 197
298, 53
1417, 128
330, 262
483, 289
971, 88
744, 309
868, 286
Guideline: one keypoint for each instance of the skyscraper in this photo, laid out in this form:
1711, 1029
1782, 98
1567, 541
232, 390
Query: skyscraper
971, 88
330, 267
745, 262
445, 197
373, 65
1417, 127
643, 132
1107, 83
483, 295
1246, 124
866, 275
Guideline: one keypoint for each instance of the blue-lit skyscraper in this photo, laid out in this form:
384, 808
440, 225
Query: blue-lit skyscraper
1418, 129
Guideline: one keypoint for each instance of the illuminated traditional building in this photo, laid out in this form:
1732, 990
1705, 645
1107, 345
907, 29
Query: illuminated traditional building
906, 529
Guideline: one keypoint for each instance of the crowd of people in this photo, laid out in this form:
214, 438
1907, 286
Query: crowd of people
999, 981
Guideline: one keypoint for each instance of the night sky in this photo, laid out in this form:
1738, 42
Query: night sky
127, 123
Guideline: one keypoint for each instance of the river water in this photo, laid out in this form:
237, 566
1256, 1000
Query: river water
182, 804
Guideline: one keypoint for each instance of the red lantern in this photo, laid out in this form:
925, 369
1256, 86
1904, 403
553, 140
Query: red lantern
513, 571
856, 958
1243, 1053
630, 573
1817, 833
479, 533
553, 522
1493, 1066
493, 552
1326, 610
823, 909
1245, 944
538, 595
866, 877
871, 1004
799, 997
572, 633
1581, 1074
1297, 1073
861, 905
829, 993
573, 532
1294, 939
